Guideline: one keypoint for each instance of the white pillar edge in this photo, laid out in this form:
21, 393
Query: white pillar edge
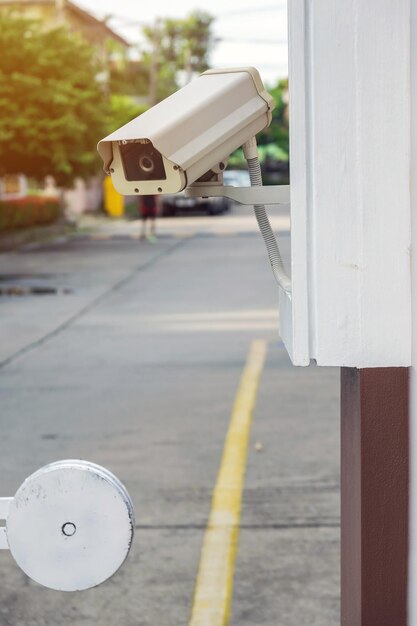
412, 582
350, 196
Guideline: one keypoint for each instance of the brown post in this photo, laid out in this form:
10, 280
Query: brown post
374, 484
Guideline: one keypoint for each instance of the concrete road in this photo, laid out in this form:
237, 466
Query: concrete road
134, 364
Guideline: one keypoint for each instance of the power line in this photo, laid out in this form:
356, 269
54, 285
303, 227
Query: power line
271, 8
128, 22
239, 40
266, 66
125, 22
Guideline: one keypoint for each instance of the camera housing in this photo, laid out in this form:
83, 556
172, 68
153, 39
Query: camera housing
189, 134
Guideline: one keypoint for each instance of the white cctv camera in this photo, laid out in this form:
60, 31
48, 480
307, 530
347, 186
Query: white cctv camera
189, 135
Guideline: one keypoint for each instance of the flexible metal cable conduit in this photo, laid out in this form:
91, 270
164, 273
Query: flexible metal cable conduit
251, 154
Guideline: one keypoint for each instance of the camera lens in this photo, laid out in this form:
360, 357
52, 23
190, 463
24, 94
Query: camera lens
141, 161
146, 164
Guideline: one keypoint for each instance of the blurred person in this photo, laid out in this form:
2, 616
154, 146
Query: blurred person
148, 208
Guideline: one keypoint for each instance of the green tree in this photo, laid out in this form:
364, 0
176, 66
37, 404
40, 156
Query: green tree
53, 108
174, 46
122, 109
131, 78
273, 142
278, 131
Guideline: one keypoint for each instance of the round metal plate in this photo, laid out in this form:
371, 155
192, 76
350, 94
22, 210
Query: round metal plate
70, 525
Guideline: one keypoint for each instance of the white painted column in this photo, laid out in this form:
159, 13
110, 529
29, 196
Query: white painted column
412, 585
354, 298
349, 81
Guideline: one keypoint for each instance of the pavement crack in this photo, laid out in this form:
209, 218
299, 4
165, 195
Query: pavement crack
275, 526
88, 307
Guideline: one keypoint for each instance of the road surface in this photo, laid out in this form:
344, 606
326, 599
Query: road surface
135, 363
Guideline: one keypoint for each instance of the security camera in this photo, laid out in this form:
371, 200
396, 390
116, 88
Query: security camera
188, 136
186, 140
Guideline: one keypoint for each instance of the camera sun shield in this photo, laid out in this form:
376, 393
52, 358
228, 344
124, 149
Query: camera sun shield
180, 139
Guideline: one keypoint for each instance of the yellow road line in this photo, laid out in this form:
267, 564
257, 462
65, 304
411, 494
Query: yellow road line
214, 586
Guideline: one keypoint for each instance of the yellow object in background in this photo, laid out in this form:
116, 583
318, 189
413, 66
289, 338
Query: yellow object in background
114, 203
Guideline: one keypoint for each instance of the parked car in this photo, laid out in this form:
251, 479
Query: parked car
236, 178
179, 203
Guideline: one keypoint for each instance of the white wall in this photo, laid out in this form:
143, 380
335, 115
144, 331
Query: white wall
84, 196
350, 196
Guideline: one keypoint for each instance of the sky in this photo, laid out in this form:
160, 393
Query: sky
250, 33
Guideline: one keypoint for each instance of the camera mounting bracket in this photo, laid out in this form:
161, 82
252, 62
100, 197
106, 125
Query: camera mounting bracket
4, 511
271, 194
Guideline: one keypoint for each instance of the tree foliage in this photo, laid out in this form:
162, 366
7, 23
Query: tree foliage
130, 78
273, 142
176, 46
122, 109
278, 131
53, 108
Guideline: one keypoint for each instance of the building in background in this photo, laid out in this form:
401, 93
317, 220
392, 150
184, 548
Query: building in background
111, 47
112, 52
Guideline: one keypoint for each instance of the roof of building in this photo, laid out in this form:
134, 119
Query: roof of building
71, 6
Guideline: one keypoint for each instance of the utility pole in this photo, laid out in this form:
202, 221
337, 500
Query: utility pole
59, 11
153, 72
188, 66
